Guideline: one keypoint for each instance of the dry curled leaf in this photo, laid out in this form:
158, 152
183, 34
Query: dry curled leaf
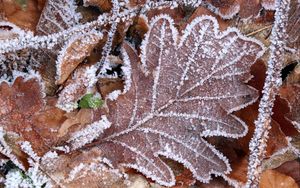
25, 17
188, 87
294, 28
56, 16
13, 61
292, 94
20, 101
244, 8
274, 179
73, 53
81, 169
83, 81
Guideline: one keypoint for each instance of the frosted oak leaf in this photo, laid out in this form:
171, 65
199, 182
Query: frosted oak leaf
187, 90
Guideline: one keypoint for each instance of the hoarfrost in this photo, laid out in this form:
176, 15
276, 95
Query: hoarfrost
258, 142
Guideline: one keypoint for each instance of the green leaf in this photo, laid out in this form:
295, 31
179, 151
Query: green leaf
90, 101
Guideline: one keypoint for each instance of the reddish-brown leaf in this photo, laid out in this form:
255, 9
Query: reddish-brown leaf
274, 179
73, 54
292, 94
189, 87
244, 8
20, 101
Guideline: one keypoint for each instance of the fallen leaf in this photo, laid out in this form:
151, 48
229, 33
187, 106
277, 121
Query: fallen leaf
103, 5
293, 28
84, 80
56, 16
274, 179
108, 85
245, 9
79, 169
291, 168
162, 103
292, 94
13, 61
224, 8
20, 101
24, 17
73, 53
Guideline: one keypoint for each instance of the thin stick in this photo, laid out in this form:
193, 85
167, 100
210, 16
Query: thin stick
259, 30
273, 81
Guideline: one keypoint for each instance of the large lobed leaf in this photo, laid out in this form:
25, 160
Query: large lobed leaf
187, 90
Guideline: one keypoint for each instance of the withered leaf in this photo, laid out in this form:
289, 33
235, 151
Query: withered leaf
294, 28
73, 53
245, 9
19, 102
13, 61
56, 16
24, 17
187, 89
274, 179
292, 94
84, 79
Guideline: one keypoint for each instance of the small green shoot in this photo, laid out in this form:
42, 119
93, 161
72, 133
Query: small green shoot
90, 101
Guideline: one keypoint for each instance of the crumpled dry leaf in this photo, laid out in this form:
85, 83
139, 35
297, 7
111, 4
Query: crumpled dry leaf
13, 61
292, 94
274, 179
55, 17
83, 80
291, 168
293, 28
75, 50
104, 5
24, 17
245, 9
20, 101
107, 85
81, 169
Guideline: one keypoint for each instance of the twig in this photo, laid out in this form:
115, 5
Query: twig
259, 30
273, 81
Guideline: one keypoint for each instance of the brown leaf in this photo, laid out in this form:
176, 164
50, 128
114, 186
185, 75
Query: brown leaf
82, 117
225, 8
56, 16
249, 8
26, 18
293, 28
74, 53
13, 61
292, 94
20, 102
165, 111
84, 80
268, 4
245, 9
81, 169
108, 85
104, 5
291, 168
274, 179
